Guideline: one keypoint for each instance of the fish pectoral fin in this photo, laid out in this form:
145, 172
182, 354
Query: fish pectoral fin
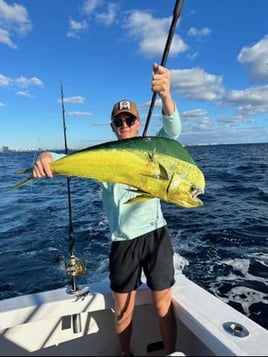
140, 198
163, 173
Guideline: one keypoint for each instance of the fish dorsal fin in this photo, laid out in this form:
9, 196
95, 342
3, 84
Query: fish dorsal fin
151, 155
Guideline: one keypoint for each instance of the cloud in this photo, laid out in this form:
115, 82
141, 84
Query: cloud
5, 39
108, 17
20, 82
76, 27
25, 94
250, 101
193, 31
226, 135
14, 21
74, 100
196, 84
256, 60
237, 107
89, 7
151, 34
195, 113
25, 82
231, 120
78, 114
4, 81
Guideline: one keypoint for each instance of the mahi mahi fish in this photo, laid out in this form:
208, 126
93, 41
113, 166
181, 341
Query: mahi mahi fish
151, 166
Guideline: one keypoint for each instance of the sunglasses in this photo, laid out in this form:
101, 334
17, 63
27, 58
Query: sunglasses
118, 122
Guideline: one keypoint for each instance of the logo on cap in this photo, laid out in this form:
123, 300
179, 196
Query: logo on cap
124, 105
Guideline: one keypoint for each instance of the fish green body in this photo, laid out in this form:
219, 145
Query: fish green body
152, 166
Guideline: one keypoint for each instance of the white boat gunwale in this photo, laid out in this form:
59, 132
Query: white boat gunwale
200, 318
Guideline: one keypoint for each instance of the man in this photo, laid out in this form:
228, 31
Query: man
140, 239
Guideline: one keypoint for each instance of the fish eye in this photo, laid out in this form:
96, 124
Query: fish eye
193, 188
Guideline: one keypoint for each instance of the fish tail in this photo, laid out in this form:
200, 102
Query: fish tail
22, 183
24, 171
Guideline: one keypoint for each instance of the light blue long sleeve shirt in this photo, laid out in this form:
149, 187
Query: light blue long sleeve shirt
129, 221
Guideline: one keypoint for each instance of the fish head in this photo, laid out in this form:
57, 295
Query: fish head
184, 190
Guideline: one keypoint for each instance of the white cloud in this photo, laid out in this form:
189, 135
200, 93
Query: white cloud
76, 27
74, 100
196, 84
78, 114
249, 101
14, 21
25, 94
256, 59
90, 6
152, 34
195, 113
25, 82
193, 31
4, 81
20, 82
5, 39
108, 17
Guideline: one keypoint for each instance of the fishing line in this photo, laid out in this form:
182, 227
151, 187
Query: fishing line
176, 15
74, 266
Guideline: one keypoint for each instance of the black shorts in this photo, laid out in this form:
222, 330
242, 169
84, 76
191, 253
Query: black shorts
151, 253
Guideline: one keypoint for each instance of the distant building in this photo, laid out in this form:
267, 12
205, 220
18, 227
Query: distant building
5, 149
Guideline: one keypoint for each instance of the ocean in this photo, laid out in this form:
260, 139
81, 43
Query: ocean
222, 246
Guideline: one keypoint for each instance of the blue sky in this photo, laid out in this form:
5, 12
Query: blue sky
103, 51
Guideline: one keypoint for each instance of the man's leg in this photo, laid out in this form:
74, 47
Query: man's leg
168, 327
124, 307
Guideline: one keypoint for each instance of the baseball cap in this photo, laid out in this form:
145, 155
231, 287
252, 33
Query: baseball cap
125, 106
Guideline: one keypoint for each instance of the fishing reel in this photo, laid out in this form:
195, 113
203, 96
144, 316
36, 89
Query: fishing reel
75, 266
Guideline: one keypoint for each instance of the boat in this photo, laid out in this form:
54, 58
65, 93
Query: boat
67, 322
72, 321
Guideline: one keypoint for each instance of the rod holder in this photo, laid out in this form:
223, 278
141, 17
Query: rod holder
235, 329
77, 325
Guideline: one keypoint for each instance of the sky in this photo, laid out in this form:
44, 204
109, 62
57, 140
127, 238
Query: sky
103, 51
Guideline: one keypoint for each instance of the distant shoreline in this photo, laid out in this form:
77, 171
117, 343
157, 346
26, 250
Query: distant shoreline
63, 150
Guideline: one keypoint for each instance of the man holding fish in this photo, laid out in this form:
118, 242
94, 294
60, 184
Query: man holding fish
139, 235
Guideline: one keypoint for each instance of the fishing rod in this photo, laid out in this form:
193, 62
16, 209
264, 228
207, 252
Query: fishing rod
176, 15
74, 266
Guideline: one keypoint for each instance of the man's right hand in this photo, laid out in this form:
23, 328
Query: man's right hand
41, 166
